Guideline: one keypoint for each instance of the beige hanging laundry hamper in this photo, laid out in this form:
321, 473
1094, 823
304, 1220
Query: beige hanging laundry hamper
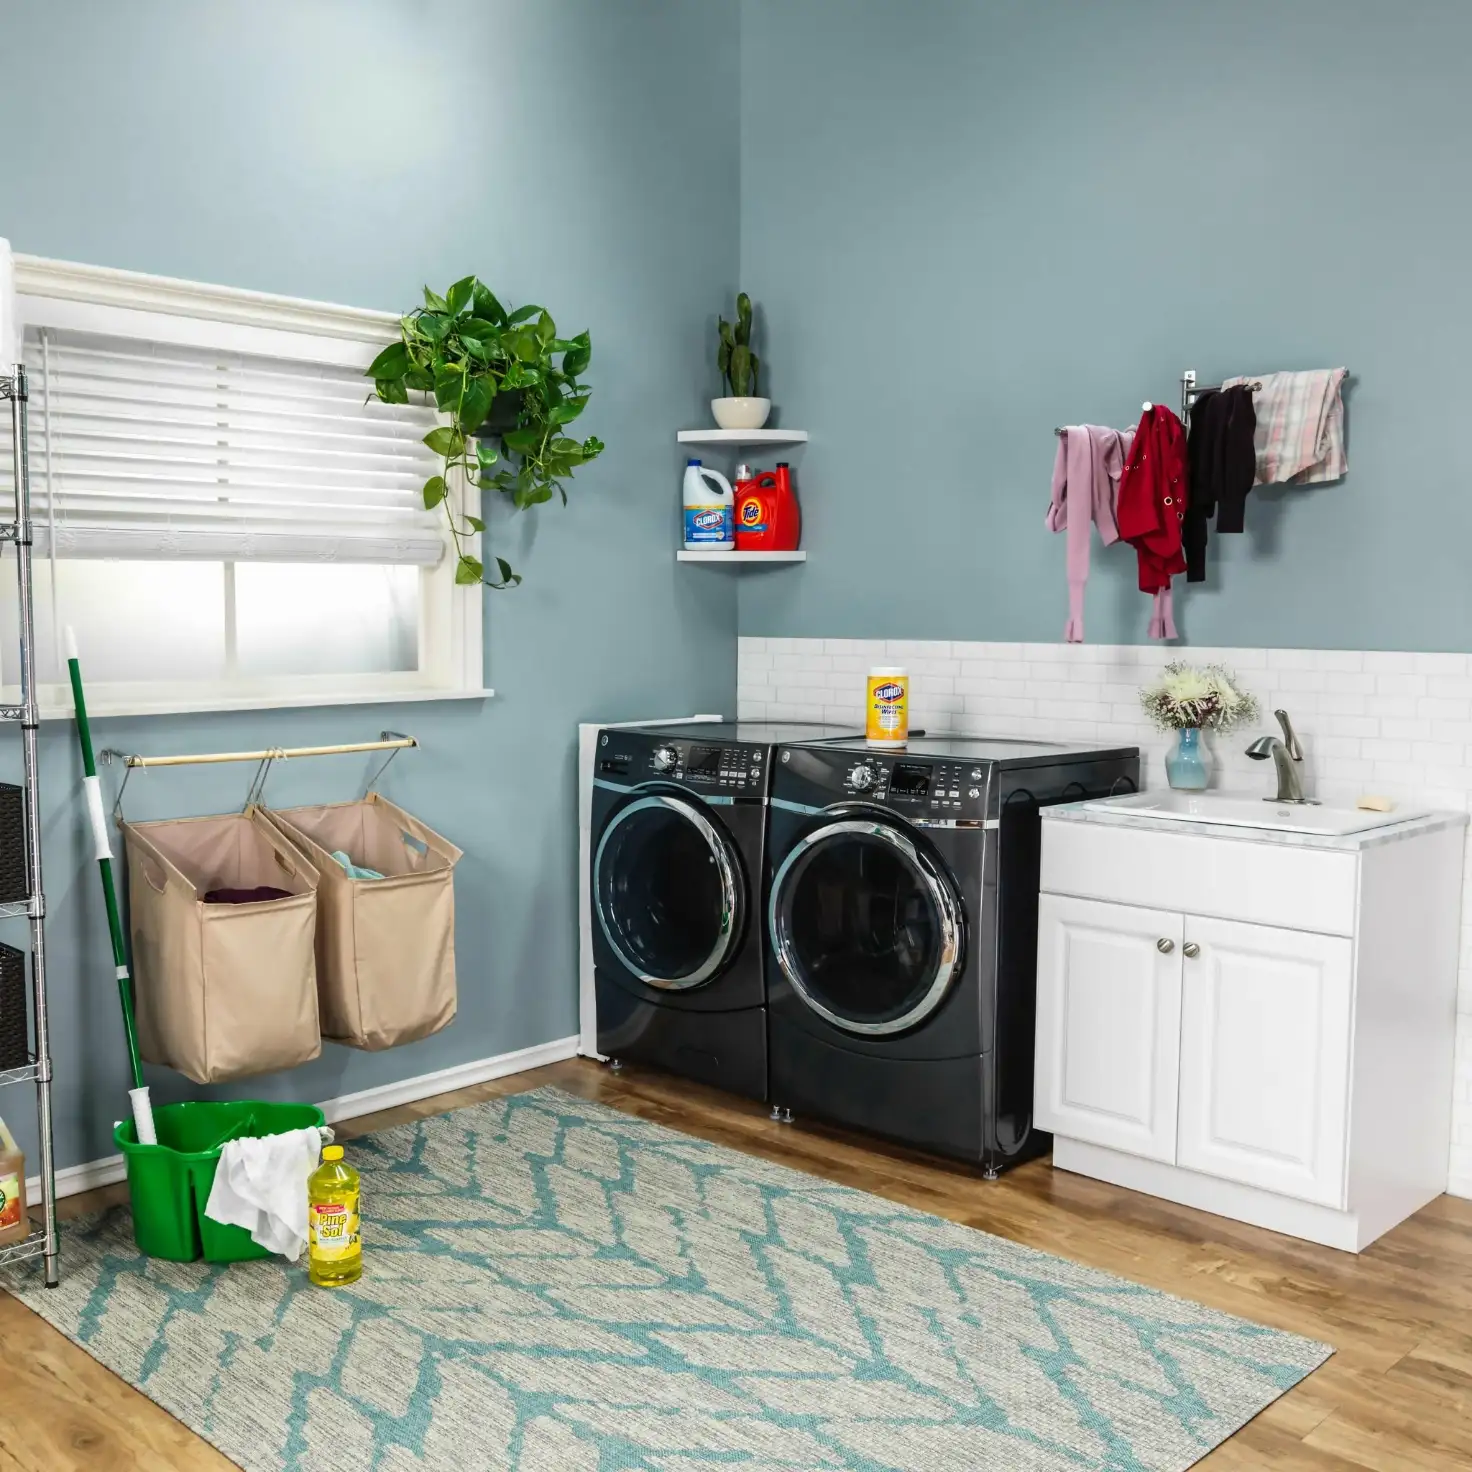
224, 991
385, 947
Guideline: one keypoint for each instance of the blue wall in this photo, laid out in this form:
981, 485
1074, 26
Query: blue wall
969, 222
964, 222
575, 153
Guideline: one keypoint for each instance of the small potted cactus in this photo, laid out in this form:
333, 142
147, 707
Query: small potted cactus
740, 373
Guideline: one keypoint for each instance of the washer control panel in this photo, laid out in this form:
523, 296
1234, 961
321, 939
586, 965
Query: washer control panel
737, 768
940, 789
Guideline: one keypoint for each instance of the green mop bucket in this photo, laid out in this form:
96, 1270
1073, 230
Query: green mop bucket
170, 1182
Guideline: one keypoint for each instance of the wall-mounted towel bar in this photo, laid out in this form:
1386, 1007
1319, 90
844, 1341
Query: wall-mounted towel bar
1190, 391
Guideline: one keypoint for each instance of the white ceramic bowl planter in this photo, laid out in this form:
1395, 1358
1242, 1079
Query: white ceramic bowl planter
741, 413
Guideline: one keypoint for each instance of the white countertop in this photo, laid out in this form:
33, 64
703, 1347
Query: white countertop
1084, 812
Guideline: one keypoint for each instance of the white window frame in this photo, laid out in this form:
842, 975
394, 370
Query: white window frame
99, 299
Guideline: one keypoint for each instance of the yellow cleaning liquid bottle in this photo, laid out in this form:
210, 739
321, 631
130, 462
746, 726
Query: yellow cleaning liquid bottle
335, 1251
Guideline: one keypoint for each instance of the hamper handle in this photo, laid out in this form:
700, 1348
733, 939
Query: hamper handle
147, 863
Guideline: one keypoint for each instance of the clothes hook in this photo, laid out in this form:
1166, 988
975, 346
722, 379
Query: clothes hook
384, 766
117, 803
257, 792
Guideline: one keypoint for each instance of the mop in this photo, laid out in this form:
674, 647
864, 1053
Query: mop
138, 1094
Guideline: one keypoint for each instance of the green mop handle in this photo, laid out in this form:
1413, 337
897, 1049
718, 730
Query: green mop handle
93, 789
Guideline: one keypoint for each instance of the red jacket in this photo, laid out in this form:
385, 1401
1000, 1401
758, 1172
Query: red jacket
1152, 498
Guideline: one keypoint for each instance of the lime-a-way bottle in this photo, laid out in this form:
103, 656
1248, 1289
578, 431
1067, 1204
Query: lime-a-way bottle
335, 1250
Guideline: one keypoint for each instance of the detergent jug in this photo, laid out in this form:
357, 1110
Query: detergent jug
14, 1225
709, 510
767, 517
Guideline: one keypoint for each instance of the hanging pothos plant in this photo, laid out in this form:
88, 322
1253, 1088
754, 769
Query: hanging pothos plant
510, 387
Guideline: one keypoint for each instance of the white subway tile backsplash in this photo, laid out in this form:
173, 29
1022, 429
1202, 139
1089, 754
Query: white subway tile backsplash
1434, 708
1444, 753
908, 649
1406, 730
1400, 684
1390, 723
1338, 705
1293, 659
1381, 750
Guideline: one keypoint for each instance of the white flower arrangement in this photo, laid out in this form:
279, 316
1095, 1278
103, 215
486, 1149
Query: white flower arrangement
1209, 697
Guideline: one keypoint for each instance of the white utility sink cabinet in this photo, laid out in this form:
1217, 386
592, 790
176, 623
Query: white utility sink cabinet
1255, 1023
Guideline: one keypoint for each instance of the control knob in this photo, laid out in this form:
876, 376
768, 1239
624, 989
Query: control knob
862, 777
666, 758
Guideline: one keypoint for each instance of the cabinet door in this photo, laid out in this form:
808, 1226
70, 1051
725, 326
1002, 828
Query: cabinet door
1265, 1017
1108, 1024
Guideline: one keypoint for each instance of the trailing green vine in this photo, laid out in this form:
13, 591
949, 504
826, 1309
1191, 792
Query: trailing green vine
510, 387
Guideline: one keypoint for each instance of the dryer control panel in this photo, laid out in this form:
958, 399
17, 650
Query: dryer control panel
738, 768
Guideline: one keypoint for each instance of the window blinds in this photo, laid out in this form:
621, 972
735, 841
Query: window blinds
155, 450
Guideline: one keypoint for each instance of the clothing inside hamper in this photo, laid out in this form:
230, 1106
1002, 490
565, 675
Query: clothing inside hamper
245, 896
230, 852
372, 836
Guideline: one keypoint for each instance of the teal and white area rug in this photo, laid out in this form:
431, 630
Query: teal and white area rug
553, 1286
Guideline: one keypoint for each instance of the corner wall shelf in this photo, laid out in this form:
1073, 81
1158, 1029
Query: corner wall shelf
747, 559
742, 437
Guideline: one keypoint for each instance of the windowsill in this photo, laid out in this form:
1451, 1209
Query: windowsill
190, 705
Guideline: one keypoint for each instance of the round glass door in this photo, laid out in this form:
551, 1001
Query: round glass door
866, 926
666, 891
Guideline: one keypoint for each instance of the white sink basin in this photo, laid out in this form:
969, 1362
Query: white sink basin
1242, 810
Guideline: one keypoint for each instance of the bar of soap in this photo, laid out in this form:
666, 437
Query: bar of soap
1372, 804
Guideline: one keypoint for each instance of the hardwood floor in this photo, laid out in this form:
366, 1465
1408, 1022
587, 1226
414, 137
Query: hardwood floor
1396, 1397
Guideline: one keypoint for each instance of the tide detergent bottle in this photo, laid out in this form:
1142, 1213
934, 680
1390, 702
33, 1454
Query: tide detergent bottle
767, 517
710, 506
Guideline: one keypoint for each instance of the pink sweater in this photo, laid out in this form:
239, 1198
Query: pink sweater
1085, 487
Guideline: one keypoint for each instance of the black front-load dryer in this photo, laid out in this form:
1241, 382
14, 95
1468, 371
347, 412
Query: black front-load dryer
902, 934
679, 828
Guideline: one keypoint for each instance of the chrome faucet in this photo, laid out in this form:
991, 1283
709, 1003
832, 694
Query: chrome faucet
1285, 754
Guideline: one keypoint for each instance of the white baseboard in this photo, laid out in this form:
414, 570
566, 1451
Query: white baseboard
447, 1080
72, 1180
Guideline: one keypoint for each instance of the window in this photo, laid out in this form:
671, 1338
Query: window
222, 512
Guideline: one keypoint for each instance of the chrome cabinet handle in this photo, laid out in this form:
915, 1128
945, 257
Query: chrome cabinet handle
1192, 949
1165, 945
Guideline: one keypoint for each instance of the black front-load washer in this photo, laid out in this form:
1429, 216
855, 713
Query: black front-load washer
902, 934
679, 824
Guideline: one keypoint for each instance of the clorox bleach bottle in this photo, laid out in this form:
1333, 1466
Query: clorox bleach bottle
710, 510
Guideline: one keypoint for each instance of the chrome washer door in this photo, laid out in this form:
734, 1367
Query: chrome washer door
866, 926
667, 891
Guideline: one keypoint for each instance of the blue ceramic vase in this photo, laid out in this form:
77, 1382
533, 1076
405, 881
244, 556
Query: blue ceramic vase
1188, 766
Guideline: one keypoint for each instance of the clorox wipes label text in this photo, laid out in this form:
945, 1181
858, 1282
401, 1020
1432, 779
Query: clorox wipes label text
886, 708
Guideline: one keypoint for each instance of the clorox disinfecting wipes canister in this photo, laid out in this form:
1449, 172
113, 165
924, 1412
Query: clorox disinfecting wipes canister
887, 706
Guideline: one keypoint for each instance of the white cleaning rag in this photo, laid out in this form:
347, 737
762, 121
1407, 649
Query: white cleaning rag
261, 1185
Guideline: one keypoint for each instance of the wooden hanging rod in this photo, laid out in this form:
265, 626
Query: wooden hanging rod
391, 741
